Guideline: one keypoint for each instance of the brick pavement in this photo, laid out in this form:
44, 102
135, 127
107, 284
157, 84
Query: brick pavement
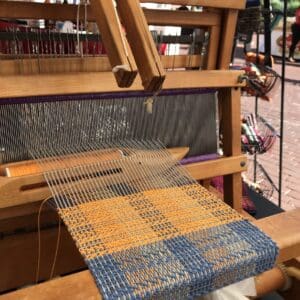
291, 157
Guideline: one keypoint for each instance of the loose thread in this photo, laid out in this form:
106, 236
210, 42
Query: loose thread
39, 242
56, 248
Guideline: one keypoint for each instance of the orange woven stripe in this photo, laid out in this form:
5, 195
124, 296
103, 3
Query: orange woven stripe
106, 226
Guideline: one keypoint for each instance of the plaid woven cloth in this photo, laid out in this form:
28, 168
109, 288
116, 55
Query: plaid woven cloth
169, 243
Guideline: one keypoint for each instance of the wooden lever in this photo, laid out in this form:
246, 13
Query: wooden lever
119, 52
144, 50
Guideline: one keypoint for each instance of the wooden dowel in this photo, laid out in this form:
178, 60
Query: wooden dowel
269, 282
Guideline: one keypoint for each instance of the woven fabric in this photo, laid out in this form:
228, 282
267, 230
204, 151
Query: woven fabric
145, 228
169, 243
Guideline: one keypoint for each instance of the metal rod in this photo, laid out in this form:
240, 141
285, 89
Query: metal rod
267, 29
282, 103
256, 108
267, 124
268, 177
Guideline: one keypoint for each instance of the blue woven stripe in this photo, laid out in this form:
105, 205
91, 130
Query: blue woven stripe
264, 247
199, 269
242, 251
187, 266
109, 277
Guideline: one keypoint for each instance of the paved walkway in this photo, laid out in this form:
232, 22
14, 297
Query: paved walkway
291, 158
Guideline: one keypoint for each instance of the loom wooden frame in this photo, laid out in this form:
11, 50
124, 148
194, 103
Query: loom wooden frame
20, 210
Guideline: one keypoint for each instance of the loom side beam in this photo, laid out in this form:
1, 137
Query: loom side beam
282, 228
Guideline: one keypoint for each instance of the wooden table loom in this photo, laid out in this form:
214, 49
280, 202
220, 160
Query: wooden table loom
21, 196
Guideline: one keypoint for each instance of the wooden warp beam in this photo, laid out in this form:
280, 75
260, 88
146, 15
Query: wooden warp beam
145, 53
119, 53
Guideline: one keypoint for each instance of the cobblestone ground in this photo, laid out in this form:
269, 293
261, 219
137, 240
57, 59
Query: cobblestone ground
291, 155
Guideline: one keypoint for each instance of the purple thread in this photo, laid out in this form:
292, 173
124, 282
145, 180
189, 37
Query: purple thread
200, 158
